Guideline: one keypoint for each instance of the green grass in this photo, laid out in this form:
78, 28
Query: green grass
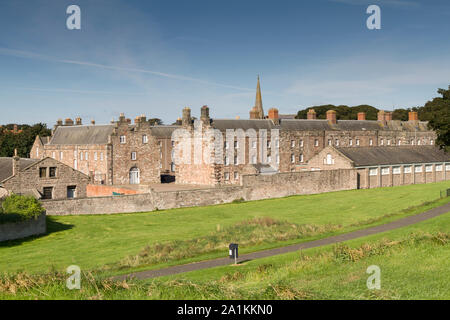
93, 241
414, 263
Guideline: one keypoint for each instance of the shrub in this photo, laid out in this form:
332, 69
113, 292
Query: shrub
16, 208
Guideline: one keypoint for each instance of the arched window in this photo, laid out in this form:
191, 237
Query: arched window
134, 176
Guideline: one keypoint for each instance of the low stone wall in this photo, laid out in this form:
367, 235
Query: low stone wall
254, 187
93, 190
23, 229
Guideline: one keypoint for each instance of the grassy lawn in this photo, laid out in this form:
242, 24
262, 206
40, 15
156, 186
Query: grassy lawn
93, 241
414, 263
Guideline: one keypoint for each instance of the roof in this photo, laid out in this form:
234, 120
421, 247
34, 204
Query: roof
317, 125
6, 170
86, 134
163, 131
374, 156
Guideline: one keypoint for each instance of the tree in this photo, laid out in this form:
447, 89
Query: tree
343, 112
155, 122
22, 140
437, 113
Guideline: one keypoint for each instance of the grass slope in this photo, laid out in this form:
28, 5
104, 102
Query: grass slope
92, 241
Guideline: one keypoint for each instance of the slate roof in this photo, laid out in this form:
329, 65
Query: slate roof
163, 131
318, 125
87, 134
6, 170
375, 156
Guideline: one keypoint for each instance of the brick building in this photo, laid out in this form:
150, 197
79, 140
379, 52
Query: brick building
282, 144
44, 179
118, 153
386, 166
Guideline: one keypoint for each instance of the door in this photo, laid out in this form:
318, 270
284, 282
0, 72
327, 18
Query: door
134, 176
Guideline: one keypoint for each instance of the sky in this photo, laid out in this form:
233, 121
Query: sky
157, 57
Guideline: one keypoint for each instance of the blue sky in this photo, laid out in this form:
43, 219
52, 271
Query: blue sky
156, 57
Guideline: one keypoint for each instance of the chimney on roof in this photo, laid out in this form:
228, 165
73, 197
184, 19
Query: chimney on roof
178, 122
143, 118
186, 120
128, 120
204, 115
273, 115
311, 115
381, 116
137, 120
78, 121
331, 117
93, 122
122, 117
15, 163
68, 122
413, 116
388, 116
361, 116
237, 117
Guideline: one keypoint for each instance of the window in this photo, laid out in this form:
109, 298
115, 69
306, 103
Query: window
399, 142
227, 145
300, 158
438, 167
52, 172
42, 172
47, 193
292, 143
123, 139
429, 168
172, 167
227, 161
144, 139
357, 142
61, 155
350, 142
226, 176
396, 170
71, 192
407, 169
329, 142
81, 156
316, 143
53, 155
419, 142
236, 175
236, 144
301, 143
337, 143
382, 142
86, 154
329, 159
133, 156
432, 142
447, 167
235, 160
253, 159
373, 171
37, 152
389, 142
268, 144
254, 144
418, 169
101, 156
412, 142
75, 154
370, 142
292, 158
385, 171
95, 156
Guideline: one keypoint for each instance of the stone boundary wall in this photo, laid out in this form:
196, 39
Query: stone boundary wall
23, 229
93, 190
253, 187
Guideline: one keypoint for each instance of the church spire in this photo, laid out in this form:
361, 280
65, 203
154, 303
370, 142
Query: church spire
258, 101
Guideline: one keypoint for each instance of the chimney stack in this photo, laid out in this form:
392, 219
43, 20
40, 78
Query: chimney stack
186, 120
311, 115
388, 116
204, 115
413, 116
361, 116
254, 113
93, 122
273, 115
381, 116
15, 164
178, 122
331, 116
78, 121
68, 122
122, 117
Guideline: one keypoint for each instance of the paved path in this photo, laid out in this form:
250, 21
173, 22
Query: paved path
291, 248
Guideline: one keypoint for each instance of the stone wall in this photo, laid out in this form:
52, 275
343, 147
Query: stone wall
23, 229
254, 187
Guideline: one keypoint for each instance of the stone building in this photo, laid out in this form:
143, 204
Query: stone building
386, 166
119, 153
44, 179
283, 144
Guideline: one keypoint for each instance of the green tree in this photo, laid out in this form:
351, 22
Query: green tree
22, 141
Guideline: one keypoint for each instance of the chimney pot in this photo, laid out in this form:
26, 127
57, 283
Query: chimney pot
311, 115
361, 116
331, 116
